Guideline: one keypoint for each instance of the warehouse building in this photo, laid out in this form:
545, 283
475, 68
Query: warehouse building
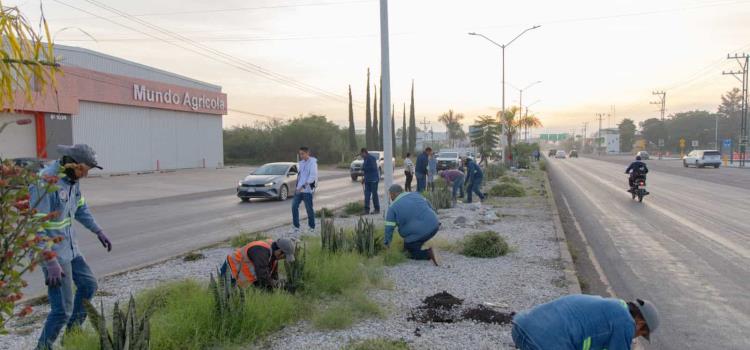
137, 118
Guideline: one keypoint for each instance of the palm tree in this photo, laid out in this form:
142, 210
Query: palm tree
486, 135
529, 122
452, 122
510, 125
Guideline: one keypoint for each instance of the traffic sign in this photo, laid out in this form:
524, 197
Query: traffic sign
695, 143
661, 142
682, 142
727, 143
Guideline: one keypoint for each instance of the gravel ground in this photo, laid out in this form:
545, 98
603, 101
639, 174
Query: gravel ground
529, 275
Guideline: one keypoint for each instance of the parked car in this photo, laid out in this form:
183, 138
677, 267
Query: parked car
447, 160
355, 168
272, 180
552, 153
702, 158
643, 154
573, 154
560, 154
33, 164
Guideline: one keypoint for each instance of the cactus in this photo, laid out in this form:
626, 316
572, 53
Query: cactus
295, 271
229, 300
129, 332
365, 240
441, 197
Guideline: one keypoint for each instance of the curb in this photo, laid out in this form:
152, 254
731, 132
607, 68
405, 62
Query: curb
571, 276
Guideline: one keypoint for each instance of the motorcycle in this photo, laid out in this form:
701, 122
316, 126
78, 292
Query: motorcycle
638, 189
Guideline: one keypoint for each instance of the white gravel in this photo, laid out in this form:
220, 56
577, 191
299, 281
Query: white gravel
529, 275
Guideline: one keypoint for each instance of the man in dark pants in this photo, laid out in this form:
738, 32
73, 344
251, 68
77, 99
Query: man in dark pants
475, 176
408, 172
416, 221
423, 162
370, 181
306, 180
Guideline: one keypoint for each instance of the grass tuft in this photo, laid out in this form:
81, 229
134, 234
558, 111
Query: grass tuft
246, 237
193, 256
324, 211
488, 244
507, 190
354, 208
510, 179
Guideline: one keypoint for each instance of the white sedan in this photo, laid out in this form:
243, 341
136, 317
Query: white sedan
702, 158
561, 154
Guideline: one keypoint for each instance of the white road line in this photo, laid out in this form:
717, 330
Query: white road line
594, 261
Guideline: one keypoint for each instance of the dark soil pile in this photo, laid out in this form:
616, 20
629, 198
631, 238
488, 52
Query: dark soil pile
446, 308
484, 314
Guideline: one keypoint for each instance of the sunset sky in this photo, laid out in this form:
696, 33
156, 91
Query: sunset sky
589, 55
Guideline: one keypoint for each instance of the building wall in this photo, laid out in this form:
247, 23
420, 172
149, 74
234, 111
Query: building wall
128, 138
17, 141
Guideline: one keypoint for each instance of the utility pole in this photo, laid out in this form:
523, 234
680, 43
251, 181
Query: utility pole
385, 100
744, 61
662, 102
583, 140
599, 138
425, 124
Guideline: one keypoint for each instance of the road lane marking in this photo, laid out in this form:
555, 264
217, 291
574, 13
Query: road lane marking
602, 276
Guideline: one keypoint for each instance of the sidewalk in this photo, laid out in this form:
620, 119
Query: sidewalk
101, 191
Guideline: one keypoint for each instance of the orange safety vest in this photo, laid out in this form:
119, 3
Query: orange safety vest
243, 270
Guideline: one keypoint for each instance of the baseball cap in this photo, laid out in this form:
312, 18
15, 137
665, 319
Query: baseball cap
287, 246
81, 153
649, 313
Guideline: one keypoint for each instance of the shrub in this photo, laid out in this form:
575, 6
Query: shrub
246, 237
229, 301
487, 244
129, 331
507, 190
494, 171
324, 212
295, 271
345, 311
378, 344
354, 208
193, 256
441, 197
543, 165
510, 179
366, 241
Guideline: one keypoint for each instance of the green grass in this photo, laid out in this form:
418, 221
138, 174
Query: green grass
342, 313
507, 190
510, 179
488, 244
354, 208
542, 165
328, 213
246, 237
494, 171
378, 344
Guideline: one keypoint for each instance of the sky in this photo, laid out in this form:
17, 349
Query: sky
590, 56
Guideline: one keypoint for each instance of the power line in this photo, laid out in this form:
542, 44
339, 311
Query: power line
744, 63
254, 114
662, 95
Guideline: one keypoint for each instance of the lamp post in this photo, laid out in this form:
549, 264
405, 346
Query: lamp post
520, 103
503, 46
17, 122
526, 114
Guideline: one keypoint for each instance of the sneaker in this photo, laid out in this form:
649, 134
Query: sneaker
376, 212
310, 231
433, 256
294, 232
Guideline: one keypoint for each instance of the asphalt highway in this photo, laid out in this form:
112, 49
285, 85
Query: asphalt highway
148, 231
686, 247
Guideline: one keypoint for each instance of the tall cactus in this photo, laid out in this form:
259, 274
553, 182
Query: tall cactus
364, 238
129, 331
295, 271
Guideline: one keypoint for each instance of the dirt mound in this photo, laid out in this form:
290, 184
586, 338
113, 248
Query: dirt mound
446, 308
484, 314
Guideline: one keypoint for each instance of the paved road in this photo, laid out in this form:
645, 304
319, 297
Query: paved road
687, 247
147, 231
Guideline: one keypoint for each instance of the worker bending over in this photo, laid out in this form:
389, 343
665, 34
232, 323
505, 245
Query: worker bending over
584, 322
257, 262
416, 221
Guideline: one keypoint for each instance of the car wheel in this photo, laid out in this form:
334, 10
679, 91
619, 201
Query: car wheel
283, 193
354, 177
245, 200
716, 166
684, 163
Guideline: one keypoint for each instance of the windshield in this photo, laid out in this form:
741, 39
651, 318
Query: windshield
271, 169
447, 155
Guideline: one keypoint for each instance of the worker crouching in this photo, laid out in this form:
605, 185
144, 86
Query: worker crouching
416, 221
256, 263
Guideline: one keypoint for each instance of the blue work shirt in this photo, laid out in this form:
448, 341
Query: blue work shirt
579, 322
473, 170
70, 204
422, 163
370, 168
414, 217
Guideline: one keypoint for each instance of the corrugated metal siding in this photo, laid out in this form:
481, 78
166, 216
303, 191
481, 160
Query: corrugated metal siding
88, 59
129, 139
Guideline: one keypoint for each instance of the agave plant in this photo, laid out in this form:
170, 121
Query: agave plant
365, 240
441, 197
295, 271
129, 331
332, 240
229, 300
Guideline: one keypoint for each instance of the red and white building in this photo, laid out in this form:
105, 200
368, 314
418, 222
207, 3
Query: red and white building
137, 118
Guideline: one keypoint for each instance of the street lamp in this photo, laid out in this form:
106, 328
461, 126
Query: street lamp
526, 131
503, 47
17, 122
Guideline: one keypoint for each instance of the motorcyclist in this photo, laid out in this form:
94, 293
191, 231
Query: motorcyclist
636, 169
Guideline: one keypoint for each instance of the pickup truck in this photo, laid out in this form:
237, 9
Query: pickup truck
355, 168
447, 160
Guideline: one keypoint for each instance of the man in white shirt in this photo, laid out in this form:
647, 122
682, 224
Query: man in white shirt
306, 181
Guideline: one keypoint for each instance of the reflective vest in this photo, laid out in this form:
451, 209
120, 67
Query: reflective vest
243, 270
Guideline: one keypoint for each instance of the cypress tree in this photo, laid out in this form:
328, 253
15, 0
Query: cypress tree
404, 135
412, 123
368, 123
352, 135
375, 132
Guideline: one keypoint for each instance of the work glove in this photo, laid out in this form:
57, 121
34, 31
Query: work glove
54, 273
105, 241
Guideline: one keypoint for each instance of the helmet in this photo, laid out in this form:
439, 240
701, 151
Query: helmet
637, 157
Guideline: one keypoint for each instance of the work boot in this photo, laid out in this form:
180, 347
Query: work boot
433, 257
365, 212
376, 212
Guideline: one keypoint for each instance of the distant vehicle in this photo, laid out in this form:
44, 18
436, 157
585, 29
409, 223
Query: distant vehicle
702, 158
355, 168
272, 180
447, 160
573, 154
560, 154
33, 164
551, 153
643, 154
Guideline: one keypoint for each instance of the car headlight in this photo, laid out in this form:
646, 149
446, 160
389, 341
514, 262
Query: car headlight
239, 184
270, 184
